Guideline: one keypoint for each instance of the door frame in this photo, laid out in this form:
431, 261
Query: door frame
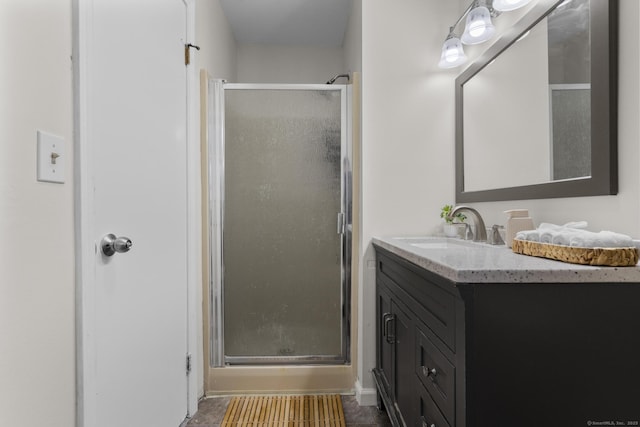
85, 244
216, 200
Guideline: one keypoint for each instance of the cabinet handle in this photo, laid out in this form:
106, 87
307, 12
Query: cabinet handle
385, 327
429, 373
388, 317
426, 424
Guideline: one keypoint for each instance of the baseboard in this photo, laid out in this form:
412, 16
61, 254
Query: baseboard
366, 396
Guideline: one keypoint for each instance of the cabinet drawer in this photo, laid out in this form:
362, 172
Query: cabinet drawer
435, 372
428, 413
427, 299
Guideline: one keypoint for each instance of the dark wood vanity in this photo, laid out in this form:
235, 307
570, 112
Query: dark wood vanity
512, 354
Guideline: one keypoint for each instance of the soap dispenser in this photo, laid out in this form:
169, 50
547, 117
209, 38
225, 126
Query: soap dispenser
517, 220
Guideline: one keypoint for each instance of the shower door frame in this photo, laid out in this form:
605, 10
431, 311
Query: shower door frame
216, 183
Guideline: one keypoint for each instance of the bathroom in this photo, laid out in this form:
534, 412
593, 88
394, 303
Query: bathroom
407, 172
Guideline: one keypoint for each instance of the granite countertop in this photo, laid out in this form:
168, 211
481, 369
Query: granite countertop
470, 262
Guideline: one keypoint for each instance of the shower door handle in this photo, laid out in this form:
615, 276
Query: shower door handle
341, 223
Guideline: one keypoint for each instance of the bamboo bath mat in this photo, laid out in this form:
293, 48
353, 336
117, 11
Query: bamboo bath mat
285, 411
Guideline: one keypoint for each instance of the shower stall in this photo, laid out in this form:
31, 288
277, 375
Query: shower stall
280, 224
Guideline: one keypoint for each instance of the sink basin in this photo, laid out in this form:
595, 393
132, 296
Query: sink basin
445, 243
434, 245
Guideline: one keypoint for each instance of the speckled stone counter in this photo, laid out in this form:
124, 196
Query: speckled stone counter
470, 262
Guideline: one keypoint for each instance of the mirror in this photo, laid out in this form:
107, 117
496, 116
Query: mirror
536, 115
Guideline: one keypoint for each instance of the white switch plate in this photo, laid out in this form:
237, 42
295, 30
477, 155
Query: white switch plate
51, 158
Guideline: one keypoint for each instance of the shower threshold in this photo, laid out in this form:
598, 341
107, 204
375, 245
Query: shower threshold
284, 360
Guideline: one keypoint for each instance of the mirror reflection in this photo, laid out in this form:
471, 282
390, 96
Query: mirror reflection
527, 114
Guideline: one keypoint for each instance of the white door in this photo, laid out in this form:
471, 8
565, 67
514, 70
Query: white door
133, 113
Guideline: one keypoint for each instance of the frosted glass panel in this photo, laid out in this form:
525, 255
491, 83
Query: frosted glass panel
571, 132
282, 260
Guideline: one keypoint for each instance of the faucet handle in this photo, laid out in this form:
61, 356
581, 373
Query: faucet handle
468, 233
494, 236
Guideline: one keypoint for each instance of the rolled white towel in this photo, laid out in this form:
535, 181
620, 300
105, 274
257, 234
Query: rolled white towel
610, 239
576, 224
574, 234
563, 238
603, 239
545, 226
547, 235
584, 240
554, 227
528, 235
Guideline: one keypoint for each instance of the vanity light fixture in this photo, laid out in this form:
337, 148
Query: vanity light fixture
452, 52
478, 28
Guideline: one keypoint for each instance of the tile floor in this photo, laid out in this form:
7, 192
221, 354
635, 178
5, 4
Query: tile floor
211, 411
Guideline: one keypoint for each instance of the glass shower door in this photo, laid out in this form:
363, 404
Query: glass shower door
283, 284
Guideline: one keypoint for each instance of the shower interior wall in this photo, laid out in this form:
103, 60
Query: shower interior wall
260, 63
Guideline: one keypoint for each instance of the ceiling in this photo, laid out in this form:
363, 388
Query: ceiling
288, 22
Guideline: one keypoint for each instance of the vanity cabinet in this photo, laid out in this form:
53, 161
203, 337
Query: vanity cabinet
455, 354
395, 353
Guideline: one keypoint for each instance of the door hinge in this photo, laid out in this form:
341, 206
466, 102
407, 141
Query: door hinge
187, 52
188, 363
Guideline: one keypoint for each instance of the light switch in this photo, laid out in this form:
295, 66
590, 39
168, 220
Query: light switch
51, 158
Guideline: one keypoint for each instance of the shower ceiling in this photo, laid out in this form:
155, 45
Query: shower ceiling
288, 22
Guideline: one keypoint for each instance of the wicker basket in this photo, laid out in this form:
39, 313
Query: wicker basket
612, 257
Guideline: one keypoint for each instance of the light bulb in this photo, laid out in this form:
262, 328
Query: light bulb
509, 5
452, 53
479, 27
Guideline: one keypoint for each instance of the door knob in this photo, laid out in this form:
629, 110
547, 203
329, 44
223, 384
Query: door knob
111, 244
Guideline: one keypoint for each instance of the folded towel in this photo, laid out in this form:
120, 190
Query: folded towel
583, 241
545, 226
603, 239
573, 224
619, 240
576, 224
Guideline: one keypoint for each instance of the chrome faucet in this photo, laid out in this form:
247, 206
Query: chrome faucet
481, 231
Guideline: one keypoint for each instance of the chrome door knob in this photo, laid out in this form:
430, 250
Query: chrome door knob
110, 244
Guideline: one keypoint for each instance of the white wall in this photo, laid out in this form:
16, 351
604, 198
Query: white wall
407, 139
352, 45
217, 46
263, 63
37, 329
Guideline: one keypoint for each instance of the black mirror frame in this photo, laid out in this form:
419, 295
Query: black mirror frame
604, 110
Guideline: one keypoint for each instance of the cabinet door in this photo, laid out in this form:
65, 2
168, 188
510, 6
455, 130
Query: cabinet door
403, 360
385, 340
